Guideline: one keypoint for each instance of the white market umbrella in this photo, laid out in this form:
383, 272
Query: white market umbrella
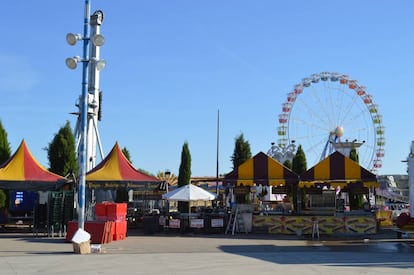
189, 193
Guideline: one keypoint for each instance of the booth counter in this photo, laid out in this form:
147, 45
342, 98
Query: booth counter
281, 224
202, 223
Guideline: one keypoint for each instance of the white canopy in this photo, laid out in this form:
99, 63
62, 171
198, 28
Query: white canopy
189, 192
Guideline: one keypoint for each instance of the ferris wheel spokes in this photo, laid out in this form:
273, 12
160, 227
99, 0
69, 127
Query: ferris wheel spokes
321, 107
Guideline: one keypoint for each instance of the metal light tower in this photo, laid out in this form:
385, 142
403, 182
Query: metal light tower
94, 93
89, 100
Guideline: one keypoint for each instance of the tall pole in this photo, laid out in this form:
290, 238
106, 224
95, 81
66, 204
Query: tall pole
84, 119
217, 152
411, 179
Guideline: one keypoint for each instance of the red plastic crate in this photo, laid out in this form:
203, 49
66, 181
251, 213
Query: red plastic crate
71, 229
118, 237
120, 227
116, 211
97, 231
120, 230
100, 210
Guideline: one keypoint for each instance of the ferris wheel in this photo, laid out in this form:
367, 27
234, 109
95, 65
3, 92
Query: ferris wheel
330, 112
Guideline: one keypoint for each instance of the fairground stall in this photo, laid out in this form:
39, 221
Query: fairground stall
116, 180
334, 196
36, 195
260, 187
195, 219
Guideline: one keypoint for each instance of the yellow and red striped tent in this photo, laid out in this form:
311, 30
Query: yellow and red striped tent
261, 169
116, 171
24, 173
338, 170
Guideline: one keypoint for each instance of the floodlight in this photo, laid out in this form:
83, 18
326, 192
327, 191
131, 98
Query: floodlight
99, 64
98, 40
72, 62
72, 38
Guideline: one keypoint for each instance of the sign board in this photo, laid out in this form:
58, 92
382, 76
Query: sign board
241, 190
279, 190
197, 223
175, 223
217, 222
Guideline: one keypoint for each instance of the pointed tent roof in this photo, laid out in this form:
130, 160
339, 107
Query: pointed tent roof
337, 170
116, 169
261, 169
23, 172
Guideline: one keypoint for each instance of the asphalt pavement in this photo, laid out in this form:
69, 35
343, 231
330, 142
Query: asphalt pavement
161, 253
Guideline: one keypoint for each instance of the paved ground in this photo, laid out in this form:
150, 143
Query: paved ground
23, 253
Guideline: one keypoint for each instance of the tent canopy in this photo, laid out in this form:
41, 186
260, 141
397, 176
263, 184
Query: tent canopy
261, 169
116, 171
189, 192
24, 173
338, 170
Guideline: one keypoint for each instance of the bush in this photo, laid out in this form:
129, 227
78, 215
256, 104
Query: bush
3, 199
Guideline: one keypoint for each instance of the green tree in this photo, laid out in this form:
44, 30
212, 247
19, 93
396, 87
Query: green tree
353, 154
288, 164
241, 151
5, 150
299, 161
3, 199
299, 166
3, 206
126, 154
356, 201
184, 174
5, 153
61, 152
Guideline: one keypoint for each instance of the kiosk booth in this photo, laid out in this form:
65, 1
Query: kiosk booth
334, 196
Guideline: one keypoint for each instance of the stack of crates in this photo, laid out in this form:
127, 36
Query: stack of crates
116, 213
60, 211
55, 213
68, 207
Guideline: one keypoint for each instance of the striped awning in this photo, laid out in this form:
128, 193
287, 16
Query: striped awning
338, 170
261, 169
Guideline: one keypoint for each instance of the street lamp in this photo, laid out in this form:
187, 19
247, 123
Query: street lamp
90, 65
167, 175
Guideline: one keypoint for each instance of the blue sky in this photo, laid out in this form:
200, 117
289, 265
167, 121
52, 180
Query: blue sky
171, 65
